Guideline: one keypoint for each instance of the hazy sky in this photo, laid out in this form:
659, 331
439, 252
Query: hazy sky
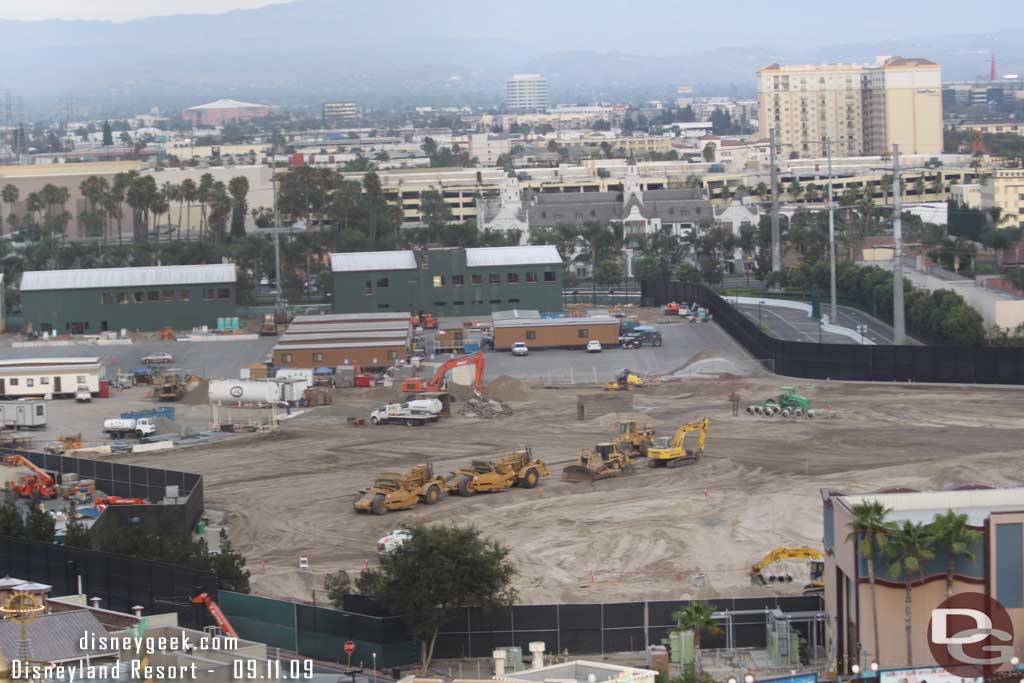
117, 10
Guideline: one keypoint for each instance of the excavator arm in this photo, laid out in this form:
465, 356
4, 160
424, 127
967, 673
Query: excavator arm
44, 478
789, 553
216, 613
436, 382
680, 436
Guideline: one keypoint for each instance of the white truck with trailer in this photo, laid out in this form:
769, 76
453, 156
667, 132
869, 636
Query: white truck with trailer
411, 413
140, 427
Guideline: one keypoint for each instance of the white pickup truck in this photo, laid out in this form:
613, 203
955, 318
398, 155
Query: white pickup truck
82, 394
411, 413
140, 427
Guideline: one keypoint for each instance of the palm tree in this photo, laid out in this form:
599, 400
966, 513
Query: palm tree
870, 531
762, 190
203, 193
189, 194
909, 547
10, 196
954, 535
699, 618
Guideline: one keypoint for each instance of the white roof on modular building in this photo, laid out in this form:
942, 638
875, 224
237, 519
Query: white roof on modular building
515, 313
340, 345
152, 276
22, 365
555, 322
354, 261
512, 256
341, 336
348, 318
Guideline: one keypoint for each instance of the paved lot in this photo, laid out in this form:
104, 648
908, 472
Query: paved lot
794, 325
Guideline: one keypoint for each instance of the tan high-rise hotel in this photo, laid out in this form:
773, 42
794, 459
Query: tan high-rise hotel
863, 108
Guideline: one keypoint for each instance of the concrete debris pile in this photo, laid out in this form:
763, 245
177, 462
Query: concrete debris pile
484, 407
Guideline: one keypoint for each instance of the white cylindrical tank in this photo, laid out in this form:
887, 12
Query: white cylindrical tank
230, 391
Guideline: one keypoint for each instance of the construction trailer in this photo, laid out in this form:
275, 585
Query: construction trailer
331, 340
57, 377
23, 414
552, 333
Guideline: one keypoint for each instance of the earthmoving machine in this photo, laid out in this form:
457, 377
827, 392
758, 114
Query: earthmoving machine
437, 382
633, 439
39, 483
395, 491
518, 468
812, 555
603, 461
269, 326
625, 380
218, 616
787, 403
672, 451
172, 386
672, 308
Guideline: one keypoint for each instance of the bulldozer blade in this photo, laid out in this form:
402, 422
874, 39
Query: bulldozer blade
577, 474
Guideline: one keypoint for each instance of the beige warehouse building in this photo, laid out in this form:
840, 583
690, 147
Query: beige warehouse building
863, 109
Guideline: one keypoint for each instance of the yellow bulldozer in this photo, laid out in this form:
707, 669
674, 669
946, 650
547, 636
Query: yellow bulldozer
603, 461
625, 380
395, 491
634, 439
519, 468
759, 572
672, 452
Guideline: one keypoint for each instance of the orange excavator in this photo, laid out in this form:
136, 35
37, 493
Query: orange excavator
216, 613
38, 483
101, 503
427, 320
436, 383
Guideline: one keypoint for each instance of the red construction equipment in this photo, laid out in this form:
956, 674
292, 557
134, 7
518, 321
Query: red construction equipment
427, 320
216, 613
102, 503
436, 383
38, 483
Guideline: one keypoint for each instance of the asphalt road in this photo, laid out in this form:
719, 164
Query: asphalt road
794, 325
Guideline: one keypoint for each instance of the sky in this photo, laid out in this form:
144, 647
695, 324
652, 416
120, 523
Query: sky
117, 10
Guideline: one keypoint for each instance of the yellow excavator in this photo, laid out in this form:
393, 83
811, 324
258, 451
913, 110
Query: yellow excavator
812, 555
672, 452
625, 380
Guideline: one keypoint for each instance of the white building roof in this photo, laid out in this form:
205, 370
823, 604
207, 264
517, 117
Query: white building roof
922, 506
555, 322
516, 313
512, 256
151, 276
355, 261
9, 362
348, 318
228, 104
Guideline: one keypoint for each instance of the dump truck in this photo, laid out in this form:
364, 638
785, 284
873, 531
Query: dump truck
788, 403
398, 491
518, 468
633, 439
603, 461
672, 451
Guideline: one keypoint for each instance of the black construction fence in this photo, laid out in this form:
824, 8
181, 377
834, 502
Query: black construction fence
121, 582
596, 628
880, 363
130, 481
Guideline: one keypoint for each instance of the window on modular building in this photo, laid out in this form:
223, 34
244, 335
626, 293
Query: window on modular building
39, 411
318, 357
583, 333
494, 278
550, 276
80, 379
153, 296
477, 301
106, 298
44, 380
122, 298
440, 303
14, 381
513, 278
286, 357
138, 297
439, 281
184, 296
367, 287
458, 280
531, 277
168, 296
383, 305
531, 334
458, 303
382, 282
224, 293
30, 382
495, 301
513, 301
476, 279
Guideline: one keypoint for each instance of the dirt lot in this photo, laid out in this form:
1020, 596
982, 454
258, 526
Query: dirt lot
648, 535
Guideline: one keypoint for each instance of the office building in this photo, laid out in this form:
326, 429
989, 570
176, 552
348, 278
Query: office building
448, 281
526, 92
95, 300
998, 517
224, 111
340, 114
1003, 189
863, 109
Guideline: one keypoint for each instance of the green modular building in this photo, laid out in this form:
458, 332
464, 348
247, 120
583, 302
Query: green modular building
448, 281
108, 299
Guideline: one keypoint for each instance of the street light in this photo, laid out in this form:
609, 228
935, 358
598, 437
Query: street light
855, 669
749, 678
874, 667
375, 666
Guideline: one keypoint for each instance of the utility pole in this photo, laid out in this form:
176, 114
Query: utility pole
277, 229
776, 238
831, 234
898, 323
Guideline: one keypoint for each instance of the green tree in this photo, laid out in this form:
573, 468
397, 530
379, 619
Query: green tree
39, 524
108, 134
238, 188
709, 152
204, 191
229, 566
438, 572
699, 618
76, 535
435, 210
870, 530
11, 522
189, 194
338, 585
608, 272
909, 547
953, 534
220, 204
9, 195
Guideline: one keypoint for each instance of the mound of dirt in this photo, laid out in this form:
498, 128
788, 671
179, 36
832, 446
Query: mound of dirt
504, 388
705, 355
197, 393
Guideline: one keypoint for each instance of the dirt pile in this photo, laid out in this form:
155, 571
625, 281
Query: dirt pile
484, 407
505, 388
197, 393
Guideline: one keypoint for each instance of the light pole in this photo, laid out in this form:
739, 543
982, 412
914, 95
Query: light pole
776, 236
831, 231
898, 322
375, 667
760, 326
277, 228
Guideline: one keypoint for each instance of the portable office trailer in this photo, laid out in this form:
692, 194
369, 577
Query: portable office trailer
23, 414
553, 333
29, 377
367, 355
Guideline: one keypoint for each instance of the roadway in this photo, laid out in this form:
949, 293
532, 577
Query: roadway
794, 325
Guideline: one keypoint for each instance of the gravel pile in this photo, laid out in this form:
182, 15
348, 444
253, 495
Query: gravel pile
484, 407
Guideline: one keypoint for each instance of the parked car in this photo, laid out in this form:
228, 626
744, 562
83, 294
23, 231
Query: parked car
393, 540
520, 349
630, 341
158, 358
593, 346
